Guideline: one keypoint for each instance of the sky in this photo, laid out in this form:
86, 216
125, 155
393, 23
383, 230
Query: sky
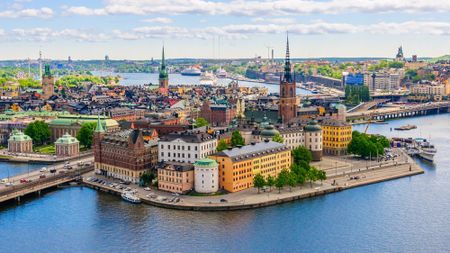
137, 29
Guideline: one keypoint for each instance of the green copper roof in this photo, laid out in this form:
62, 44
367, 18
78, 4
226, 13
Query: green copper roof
99, 127
269, 132
162, 70
313, 126
206, 163
18, 136
66, 139
47, 70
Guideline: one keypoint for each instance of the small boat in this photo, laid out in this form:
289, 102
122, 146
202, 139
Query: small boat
130, 197
406, 127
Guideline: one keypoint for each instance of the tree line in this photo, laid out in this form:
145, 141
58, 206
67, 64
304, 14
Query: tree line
300, 173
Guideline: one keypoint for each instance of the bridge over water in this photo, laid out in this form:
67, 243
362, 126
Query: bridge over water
400, 112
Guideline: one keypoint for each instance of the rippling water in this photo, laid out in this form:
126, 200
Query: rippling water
404, 215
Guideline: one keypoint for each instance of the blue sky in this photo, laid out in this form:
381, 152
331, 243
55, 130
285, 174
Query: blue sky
136, 29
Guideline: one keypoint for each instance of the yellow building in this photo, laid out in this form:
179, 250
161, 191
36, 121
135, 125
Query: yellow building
337, 134
237, 166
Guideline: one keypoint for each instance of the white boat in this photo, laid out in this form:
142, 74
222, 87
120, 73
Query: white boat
221, 73
207, 78
427, 150
191, 71
128, 196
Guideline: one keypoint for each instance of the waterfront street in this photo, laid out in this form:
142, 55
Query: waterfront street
350, 173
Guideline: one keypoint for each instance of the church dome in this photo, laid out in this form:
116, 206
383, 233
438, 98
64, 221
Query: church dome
313, 126
269, 132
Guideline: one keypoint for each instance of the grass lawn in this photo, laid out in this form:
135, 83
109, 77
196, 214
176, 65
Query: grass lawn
46, 149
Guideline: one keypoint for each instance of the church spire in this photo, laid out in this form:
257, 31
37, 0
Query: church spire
287, 63
162, 70
99, 127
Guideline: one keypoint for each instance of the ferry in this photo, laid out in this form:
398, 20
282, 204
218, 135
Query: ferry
427, 150
221, 73
130, 197
191, 71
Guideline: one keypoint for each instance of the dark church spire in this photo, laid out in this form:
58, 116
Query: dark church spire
287, 77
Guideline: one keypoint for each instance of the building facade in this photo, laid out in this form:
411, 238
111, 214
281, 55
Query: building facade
314, 140
67, 146
185, 147
206, 173
238, 166
176, 177
19, 142
123, 155
71, 124
337, 135
217, 115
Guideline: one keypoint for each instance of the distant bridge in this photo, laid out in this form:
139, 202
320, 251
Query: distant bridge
401, 112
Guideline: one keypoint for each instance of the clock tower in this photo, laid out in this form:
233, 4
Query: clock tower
288, 99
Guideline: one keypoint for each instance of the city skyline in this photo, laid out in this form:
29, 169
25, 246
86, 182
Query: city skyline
125, 29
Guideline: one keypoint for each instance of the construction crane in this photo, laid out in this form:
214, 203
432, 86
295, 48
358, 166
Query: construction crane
369, 122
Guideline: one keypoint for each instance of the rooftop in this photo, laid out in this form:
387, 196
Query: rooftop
253, 150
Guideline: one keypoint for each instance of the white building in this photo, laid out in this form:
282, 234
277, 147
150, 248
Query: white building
206, 174
185, 147
314, 140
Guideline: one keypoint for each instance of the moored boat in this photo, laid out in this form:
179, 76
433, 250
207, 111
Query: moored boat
191, 71
406, 127
130, 197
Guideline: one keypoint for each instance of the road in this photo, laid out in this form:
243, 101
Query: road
34, 175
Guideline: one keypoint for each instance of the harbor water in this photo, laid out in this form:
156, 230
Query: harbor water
406, 215
174, 79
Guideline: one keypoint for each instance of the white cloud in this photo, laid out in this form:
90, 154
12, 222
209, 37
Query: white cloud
261, 7
158, 20
43, 12
47, 34
239, 31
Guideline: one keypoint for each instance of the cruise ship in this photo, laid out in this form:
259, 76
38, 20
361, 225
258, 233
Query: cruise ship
191, 71
208, 78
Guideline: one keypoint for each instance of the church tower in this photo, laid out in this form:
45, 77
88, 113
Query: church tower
48, 83
163, 76
288, 100
99, 133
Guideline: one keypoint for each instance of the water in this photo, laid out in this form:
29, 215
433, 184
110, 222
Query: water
175, 79
404, 215
12, 169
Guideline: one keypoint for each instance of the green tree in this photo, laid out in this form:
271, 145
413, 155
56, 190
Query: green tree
86, 134
147, 178
222, 145
201, 122
258, 181
282, 179
270, 182
291, 180
311, 175
301, 153
237, 139
38, 131
278, 138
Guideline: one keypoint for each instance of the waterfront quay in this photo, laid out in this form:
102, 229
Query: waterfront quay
36, 181
342, 174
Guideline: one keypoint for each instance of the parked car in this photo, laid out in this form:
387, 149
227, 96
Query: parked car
23, 180
43, 169
42, 176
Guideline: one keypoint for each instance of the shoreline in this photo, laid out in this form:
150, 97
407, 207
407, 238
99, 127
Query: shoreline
254, 200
